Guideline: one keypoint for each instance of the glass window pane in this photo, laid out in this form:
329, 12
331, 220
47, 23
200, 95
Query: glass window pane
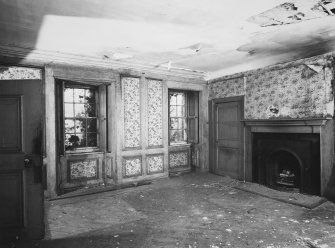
182, 123
174, 123
173, 111
80, 126
92, 140
173, 99
180, 99
89, 96
91, 125
180, 111
79, 95
184, 135
82, 139
175, 136
69, 126
72, 141
68, 95
68, 144
90, 110
68, 109
79, 110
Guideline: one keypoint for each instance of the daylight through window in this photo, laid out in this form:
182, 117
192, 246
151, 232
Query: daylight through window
183, 117
80, 117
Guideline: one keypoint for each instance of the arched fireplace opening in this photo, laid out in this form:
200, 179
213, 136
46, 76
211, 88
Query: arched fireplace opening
284, 171
289, 162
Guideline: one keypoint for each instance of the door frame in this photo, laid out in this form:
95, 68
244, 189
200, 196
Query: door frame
211, 112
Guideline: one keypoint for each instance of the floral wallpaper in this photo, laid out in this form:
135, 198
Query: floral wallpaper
132, 112
10, 73
155, 113
132, 166
178, 159
227, 88
295, 92
83, 169
155, 164
290, 92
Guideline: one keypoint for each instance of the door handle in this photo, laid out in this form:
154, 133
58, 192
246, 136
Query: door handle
27, 162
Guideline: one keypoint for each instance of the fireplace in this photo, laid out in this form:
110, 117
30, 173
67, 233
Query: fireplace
294, 155
288, 162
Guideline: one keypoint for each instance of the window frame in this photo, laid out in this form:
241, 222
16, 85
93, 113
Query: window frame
62, 84
187, 117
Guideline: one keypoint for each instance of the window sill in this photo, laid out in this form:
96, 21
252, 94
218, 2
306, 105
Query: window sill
180, 144
84, 150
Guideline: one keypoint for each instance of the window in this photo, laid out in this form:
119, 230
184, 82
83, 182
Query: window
183, 117
80, 116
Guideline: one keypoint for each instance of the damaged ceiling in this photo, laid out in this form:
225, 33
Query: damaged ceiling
213, 37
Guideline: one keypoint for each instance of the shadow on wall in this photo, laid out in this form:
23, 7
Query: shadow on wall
21, 22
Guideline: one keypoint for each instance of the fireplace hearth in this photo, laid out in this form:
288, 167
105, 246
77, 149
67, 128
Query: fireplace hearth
288, 162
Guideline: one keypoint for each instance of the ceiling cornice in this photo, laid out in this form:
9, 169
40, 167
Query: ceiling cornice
41, 58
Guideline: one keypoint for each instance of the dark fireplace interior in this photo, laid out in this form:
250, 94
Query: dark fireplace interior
287, 162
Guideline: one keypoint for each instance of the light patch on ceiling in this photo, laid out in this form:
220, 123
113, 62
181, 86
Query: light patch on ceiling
294, 11
118, 56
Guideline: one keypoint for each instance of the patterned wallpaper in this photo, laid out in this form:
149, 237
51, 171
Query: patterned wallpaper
178, 159
132, 112
294, 92
11, 73
155, 164
227, 88
83, 169
132, 166
155, 113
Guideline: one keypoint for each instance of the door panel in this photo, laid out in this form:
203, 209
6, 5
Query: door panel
11, 127
21, 191
11, 207
227, 128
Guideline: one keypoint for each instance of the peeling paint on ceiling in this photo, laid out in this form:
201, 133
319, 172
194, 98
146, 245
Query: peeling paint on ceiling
292, 12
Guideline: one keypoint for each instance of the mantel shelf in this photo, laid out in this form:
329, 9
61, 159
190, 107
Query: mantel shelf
286, 122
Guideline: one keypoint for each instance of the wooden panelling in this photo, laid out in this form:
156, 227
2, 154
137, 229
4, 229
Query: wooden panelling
179, 159
132, 166
155, 163
11, 124
81, 169
11, 198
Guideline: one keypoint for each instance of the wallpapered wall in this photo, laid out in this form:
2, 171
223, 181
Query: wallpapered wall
296, 91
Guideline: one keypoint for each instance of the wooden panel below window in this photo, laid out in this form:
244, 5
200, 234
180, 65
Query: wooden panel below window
178, 159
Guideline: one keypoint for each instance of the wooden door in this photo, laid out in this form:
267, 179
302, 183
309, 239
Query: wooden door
228, 137
21, 191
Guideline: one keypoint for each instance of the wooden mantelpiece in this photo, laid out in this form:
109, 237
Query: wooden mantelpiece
322, 126
286, 125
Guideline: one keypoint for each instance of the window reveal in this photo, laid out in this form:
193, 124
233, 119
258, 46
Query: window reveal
80, 117
183, 117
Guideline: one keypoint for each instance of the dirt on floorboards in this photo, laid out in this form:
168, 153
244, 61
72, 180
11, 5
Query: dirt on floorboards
192, 210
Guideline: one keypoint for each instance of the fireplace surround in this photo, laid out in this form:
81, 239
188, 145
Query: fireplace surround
294, 155
289, 162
